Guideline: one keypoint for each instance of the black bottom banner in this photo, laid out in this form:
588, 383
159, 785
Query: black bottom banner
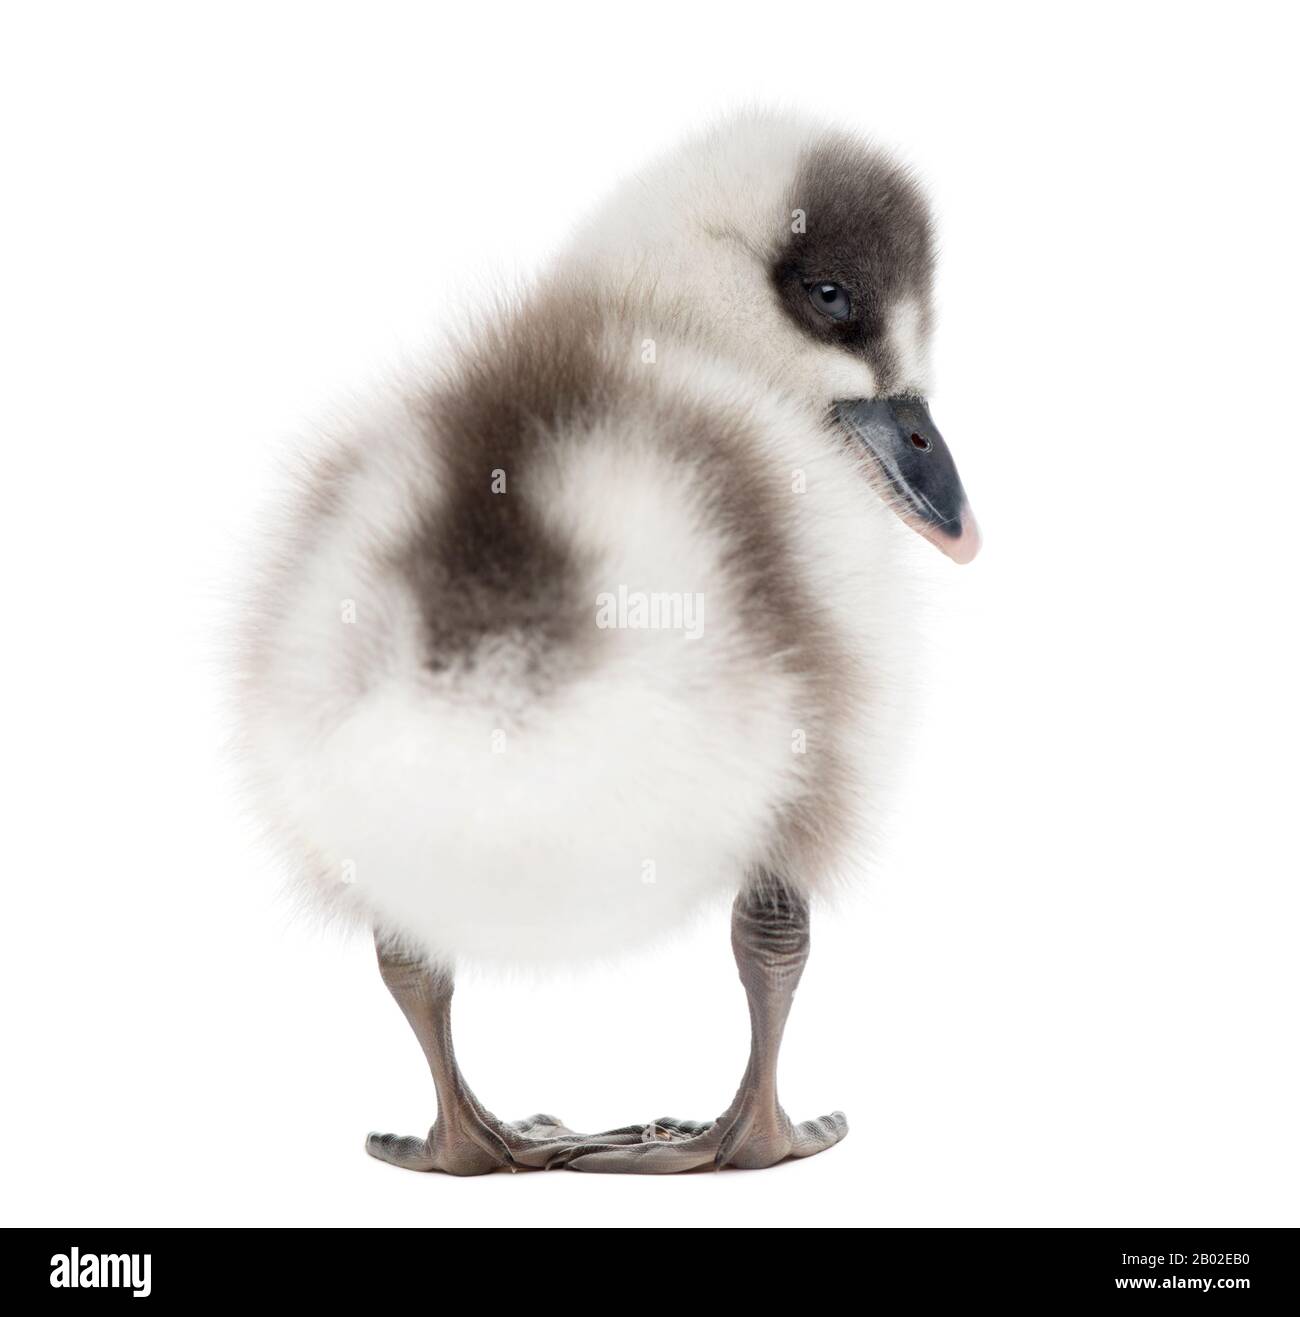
81, 1269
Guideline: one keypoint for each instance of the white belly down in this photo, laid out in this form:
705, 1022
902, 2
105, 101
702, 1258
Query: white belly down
602, 819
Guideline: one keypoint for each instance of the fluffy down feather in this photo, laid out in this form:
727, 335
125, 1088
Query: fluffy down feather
436, 726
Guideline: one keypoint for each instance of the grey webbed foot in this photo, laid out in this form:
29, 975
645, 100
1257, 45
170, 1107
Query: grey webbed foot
476, 1143
465, 1145
748, 1137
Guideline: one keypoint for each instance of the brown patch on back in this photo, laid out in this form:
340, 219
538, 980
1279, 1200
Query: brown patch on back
482, 563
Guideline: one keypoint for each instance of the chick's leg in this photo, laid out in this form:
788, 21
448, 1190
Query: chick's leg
769, 935
466, 1138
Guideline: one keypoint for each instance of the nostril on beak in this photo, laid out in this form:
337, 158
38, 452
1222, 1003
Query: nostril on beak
919, 442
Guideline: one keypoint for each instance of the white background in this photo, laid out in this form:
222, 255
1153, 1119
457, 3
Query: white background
1068, 995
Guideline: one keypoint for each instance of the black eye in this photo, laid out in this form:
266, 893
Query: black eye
831, 300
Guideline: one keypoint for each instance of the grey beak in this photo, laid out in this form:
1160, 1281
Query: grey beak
913, 458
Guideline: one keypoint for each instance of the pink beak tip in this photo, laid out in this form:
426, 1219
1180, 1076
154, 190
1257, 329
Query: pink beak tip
960, 548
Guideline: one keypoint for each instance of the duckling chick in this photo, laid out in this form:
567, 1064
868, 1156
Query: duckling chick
606, 620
